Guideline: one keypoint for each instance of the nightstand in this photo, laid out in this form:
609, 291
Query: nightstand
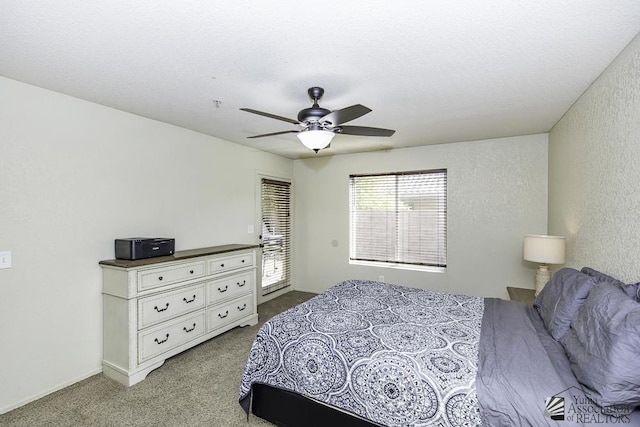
525, 296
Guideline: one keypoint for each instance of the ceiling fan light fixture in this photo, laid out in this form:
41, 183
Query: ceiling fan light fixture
315, 140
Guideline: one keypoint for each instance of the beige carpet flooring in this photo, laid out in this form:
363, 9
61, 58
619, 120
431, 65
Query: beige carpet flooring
198, 387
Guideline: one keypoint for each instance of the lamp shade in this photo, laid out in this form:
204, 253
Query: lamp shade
544, 249
315, 139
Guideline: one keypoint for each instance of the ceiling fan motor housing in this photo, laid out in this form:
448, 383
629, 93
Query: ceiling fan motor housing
312, 114
315, 112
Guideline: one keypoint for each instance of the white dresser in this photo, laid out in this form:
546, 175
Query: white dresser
158, 307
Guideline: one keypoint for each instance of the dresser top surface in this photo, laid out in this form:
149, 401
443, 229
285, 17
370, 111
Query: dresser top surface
178, 256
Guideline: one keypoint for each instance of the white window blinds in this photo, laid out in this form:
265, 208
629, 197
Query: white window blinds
399, 218
275, 235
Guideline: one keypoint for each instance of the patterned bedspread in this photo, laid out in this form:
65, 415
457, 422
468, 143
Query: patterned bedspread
392, 354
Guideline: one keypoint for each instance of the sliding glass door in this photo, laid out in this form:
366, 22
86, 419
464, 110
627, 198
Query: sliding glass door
275, 235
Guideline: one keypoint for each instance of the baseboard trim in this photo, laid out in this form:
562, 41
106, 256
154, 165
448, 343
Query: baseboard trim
315, 290
52, 390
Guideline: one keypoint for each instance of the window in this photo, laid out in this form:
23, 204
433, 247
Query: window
399, 218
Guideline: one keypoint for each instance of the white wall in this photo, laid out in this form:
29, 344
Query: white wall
75, 175
594, 172
497, 192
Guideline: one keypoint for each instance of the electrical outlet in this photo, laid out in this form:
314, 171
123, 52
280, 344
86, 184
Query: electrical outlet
381, 278
250, 229
5, 259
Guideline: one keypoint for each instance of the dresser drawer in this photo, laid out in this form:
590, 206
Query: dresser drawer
219, 265
226, 313
158, 308
149, 279
230, 287
158, 340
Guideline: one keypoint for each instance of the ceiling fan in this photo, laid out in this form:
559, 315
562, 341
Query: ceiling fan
320, 125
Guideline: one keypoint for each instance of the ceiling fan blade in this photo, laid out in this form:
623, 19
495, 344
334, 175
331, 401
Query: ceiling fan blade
365, 131
272, 116
336, 118
273, 133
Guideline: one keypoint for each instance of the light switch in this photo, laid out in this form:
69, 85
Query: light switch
5, 259
250, 229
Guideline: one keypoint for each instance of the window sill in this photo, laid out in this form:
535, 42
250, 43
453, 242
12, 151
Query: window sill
399, 266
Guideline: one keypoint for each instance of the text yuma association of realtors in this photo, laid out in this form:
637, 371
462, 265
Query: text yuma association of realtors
582, 410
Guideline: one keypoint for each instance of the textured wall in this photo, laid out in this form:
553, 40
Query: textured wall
594, 172
497, 192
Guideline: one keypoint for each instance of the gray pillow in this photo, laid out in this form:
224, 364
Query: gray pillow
603, 345
632, 290
559, 300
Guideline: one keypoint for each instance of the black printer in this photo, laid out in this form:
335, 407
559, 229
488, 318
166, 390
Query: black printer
144, 247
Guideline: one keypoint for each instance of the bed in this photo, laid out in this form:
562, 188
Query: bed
366, 353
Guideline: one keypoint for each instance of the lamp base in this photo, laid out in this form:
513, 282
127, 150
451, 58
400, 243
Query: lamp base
543, 275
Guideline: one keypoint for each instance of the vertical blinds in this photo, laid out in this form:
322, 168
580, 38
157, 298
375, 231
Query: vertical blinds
276, 235
399, 218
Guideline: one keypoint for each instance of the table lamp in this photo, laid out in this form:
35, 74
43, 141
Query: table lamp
544, 250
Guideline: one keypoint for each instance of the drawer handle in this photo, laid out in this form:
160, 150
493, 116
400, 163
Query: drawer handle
226, 313
189, 300
244, 282
162, 341
225, 288
190, 271
189, 330
243, 307
222, 265
160, 278
160, 310
243, 261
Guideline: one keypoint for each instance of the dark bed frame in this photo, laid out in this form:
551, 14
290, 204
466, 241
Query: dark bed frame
287, 409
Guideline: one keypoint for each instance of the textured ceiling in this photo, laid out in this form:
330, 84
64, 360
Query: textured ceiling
437, 71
